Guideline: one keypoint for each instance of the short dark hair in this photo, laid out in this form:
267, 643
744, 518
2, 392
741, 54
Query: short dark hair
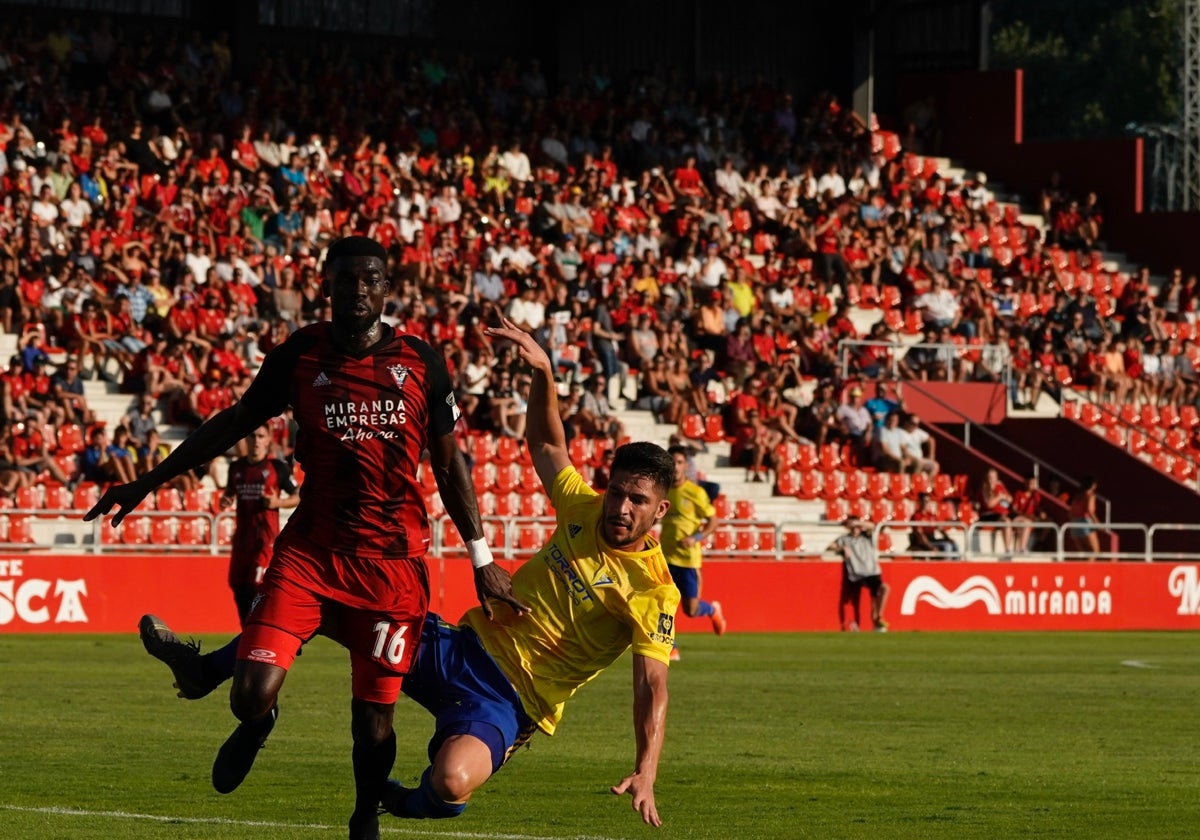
648, 460
677, 449
356, 246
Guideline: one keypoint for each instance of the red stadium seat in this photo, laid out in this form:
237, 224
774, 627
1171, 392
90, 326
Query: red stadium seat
57, 497
793, 542
225, 528
766, 539
693, 427
135, 530
167, 499
193, 531
806, 458
1168, 416
787, 482
744, 509
856, 485
86, 495
507, 504
836, 510
811, 484
881, 511
162, 531
921, 483
721, 507
893, 319
70, 438
830, 457
877, 485
532, 504
20, 529
714, 428
507, 450
859, 508
723, 540
1188, 417
834, 486
899, 486
508, 477
747, 539
28, 498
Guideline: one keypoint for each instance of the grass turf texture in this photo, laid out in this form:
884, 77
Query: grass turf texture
823, 736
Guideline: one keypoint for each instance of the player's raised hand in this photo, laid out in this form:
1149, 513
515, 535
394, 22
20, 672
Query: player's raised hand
491, 581
527, 348
125, 497
642, 791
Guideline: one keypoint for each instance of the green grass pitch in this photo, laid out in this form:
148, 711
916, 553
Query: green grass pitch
769, 736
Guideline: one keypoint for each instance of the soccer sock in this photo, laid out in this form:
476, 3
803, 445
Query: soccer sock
704, 609
219, 664
424, 803
372, 763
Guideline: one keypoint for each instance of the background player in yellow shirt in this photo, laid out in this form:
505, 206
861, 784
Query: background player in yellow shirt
690, 521
599, 587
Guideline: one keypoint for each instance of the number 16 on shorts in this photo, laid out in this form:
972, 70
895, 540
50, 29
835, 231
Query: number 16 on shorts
391, 645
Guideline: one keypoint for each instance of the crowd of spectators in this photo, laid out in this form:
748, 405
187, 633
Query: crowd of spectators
694, 250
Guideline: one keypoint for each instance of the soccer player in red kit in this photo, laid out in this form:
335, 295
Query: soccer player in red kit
254, 485
367, 402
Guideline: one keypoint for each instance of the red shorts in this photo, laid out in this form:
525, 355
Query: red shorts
248, 561
373, 608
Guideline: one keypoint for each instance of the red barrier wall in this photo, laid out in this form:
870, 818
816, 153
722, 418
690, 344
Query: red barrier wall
949, 402
55, 594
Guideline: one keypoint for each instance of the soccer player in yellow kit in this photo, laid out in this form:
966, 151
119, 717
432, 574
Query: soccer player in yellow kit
690, 521
599, 587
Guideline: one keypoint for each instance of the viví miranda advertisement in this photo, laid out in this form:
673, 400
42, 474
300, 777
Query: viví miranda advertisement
107, 594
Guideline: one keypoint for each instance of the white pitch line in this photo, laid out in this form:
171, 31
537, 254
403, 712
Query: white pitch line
388, 829
1137, 663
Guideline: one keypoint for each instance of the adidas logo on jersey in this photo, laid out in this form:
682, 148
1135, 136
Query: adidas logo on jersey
573, 529
602, 579
321, 380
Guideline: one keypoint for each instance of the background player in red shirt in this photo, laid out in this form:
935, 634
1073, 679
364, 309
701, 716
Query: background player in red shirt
367, 402
255, 484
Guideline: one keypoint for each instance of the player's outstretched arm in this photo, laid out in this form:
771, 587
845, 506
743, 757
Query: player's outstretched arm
649, 726
214, 438
543, 426
458, 495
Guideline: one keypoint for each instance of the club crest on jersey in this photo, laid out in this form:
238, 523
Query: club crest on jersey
400, 374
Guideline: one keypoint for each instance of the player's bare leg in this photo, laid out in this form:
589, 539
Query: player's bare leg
252, 700
461, 765
373, 757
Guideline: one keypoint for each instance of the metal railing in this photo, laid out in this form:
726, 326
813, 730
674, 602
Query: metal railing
776, 541
1038, 465
945, 352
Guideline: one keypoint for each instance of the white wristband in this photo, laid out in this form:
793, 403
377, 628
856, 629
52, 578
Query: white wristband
479, 552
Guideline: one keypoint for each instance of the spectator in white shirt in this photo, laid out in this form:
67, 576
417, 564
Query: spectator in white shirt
516, 163
939, 306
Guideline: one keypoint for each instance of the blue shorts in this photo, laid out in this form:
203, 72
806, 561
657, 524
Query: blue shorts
457, 681
687, 581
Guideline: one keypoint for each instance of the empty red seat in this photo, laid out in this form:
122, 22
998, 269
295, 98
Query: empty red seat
85, 496
714, 428
70, 438
787, 482
899, 486
877, 485
806, 458
722, 540
766, 539
57, 497
811, 484
20, 529
881, 510
744, 509
793, 541
1168, 416
834, 485
693, 427
856, 485
830, 457
1188, 417
225, 527
507, 504
747, 539
532, 504
858, 508
836, 509
162, 531
722, 507
135, 530
507, 450
193, 530
167, 499
508, 477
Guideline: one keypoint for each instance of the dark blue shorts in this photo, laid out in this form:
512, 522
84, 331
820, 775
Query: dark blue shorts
687, 581
465, 690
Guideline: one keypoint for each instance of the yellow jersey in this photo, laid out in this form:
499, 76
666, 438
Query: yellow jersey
690, 506
588, 601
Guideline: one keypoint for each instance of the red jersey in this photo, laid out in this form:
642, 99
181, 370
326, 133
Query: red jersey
257, 525
363, 423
